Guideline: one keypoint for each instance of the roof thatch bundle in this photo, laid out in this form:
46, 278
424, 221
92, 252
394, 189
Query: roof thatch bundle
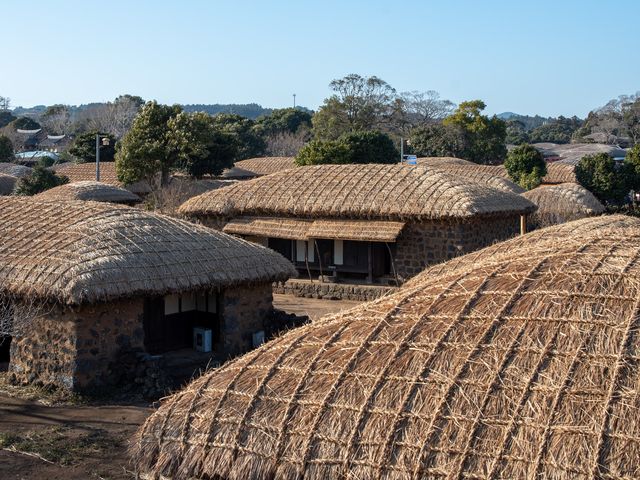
256, 167
442, 161
15, 170
562, 203
76, 252
90, 190
482, 174
523, 365
369, 191
559, 173
78, 172
7, 184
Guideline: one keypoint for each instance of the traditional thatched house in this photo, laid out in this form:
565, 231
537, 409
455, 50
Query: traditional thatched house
90, 190
7, 184
482, 174
558, 172
15, 170
442, 161
374, 222
78, 172
257, 167
561, 203
520, 364
90, 282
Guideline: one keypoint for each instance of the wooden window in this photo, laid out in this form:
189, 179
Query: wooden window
338, 252
301, 246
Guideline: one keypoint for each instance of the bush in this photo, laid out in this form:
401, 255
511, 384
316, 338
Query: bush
526, 166
598, 174
40, 180
6, 149
355, 147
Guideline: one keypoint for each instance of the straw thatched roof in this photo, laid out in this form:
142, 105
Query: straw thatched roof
442, 161
522, 365
76, 252
7, 184
562, 203
371, 191
15, 170
559, 173
288, 228
256, 167
482, 174
90, 190
78, 172
359, 230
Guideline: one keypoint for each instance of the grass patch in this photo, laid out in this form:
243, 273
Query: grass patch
60, 445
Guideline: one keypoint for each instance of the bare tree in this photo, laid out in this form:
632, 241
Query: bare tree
56, 119
17, 316
114, 117
5, 103
287, 144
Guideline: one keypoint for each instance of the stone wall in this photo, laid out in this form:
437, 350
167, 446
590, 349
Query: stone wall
332, 291
245, 310
429, 242
77, 348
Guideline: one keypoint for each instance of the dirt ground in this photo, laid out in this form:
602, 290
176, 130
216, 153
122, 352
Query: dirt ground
71, 441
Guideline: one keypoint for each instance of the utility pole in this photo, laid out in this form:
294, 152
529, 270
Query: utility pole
294, 100
97, 157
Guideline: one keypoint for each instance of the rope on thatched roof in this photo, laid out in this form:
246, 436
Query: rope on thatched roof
256, 167
78, 172
358, 230
558, 172
521, 365
7, 184
90, 190
287, 228
15, 170
80, 252
482, 174
442, 161
562, 203
372, 191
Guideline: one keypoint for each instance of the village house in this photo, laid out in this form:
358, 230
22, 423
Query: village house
561, 203
371, 223
90, 190
515, 362
85, 283
77, 172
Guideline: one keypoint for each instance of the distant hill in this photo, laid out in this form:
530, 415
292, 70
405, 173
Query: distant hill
528, 121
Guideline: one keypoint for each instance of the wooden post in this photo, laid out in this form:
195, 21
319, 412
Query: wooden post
523, 224
370, 263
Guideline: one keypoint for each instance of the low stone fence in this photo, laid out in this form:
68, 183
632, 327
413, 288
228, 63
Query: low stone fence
332, 291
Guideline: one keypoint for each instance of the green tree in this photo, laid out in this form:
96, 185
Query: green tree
204, 148
6, 117
25, 123
599, 174
248, 142
485, 136
355, 147
149, 147
6, 149
283, 120
40, 180
84, 147
437, 140
516, 133
526, 166
558, 131
631, 168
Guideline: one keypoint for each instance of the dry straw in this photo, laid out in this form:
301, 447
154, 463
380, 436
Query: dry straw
90, 190
78, 172
562, 203
482, 174
80, 252
256, 167
7, 184
517, 365
14, 170
370, 191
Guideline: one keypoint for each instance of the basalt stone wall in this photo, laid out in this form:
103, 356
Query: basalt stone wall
332, 291
429, 242
217, 223
245, 311
78, 348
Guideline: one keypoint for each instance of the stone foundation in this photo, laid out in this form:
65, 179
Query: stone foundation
332, 291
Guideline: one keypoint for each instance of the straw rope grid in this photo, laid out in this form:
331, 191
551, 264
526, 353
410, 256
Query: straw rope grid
253, 167
77, 252
515, 364
562, 203
90, 190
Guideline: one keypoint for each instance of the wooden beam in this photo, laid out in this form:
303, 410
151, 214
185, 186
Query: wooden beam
523, 224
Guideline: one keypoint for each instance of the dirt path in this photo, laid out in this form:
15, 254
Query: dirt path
313, 307
84, 442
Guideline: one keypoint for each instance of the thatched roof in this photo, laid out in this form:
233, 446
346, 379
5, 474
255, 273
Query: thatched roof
371, 191
562, 203
90, 190
77, 252
256, 167
442, 161
524, 365
7, 184
572, 153
482, 174
15, 170
559, 173
78, 172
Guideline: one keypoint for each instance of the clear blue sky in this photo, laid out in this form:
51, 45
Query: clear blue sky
546, 57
